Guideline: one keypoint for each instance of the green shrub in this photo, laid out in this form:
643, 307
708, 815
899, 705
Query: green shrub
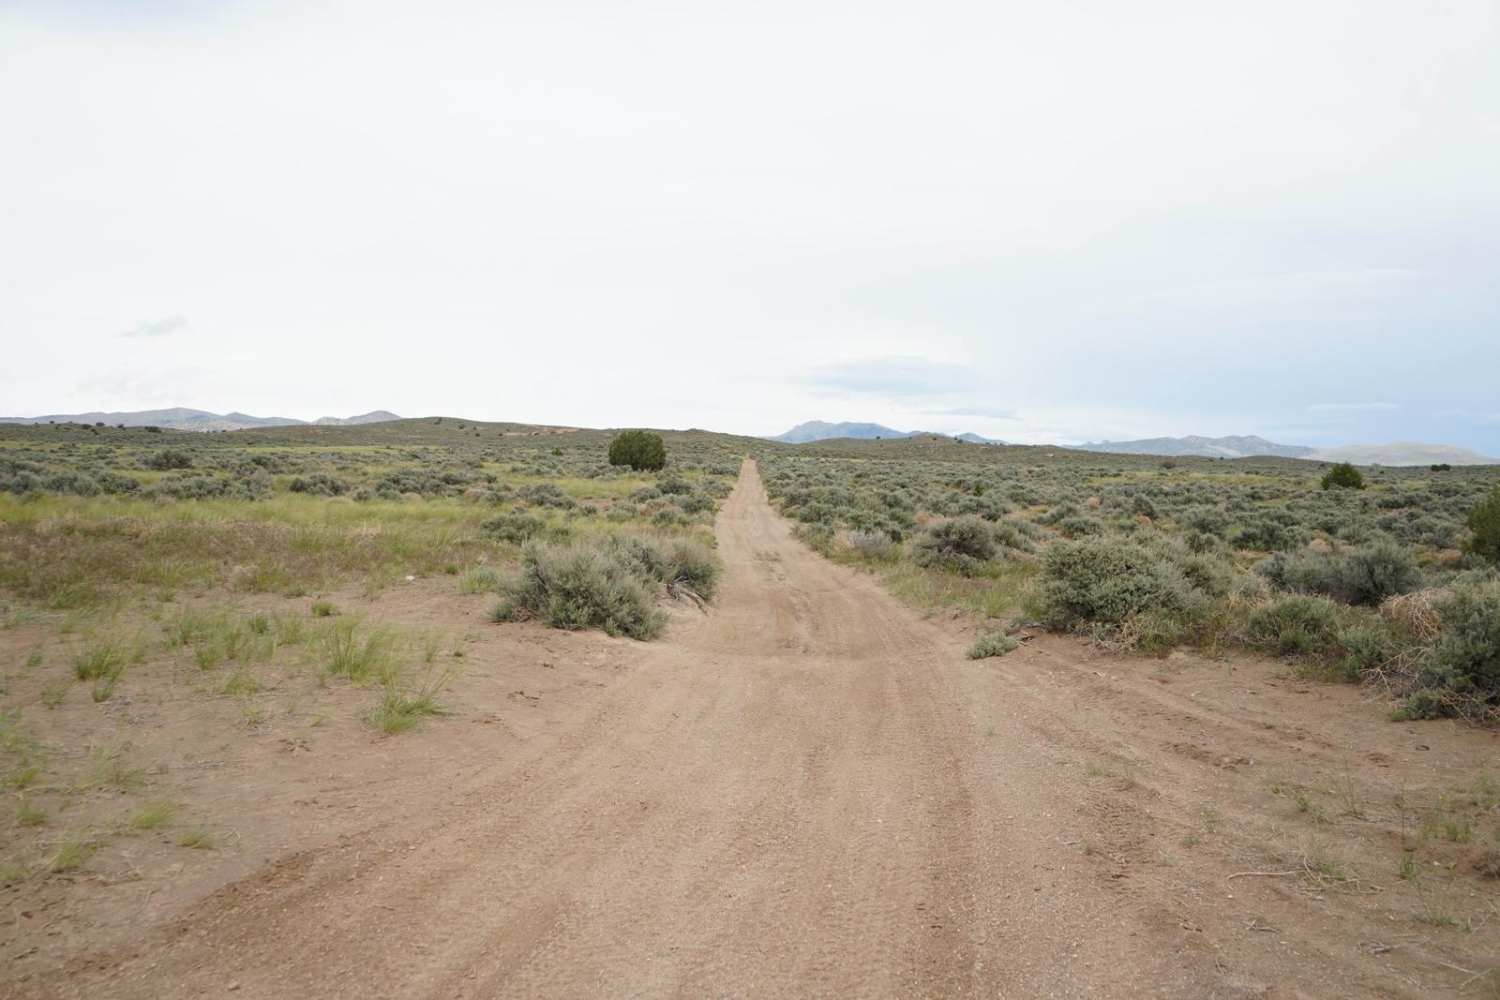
1103, 580
1013, 535
678, 563
1460, 671
320, 483
875, 546
578, 587
1423, 703
169, 458
520, 528
1367, 574
1157, 631
1484, 523
992, 644
1303, 571
1078, 526
1267, 534
641, 450
1297, 625
960, 545
1344, 477
1367, 645
1205, 572
1371, 573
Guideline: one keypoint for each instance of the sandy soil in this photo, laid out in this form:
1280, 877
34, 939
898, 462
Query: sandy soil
808, 791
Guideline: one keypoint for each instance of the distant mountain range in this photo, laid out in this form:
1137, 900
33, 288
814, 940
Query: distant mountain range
1235, 446
818, 430
1232, 446
180, 418
1397, 453
1403, 453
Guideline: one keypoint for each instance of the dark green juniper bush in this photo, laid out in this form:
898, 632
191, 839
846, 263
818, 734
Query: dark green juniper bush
641, 450
1344, 477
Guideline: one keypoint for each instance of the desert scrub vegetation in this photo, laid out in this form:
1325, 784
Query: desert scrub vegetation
91, 515
243, 656
1348, 582
610, 584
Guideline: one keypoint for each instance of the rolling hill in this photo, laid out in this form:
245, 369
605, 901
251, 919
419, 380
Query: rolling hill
1403, 453
819, 430
181, 418
1247, 446
1234, 446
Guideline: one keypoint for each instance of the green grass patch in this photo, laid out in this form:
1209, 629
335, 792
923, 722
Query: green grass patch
152, 816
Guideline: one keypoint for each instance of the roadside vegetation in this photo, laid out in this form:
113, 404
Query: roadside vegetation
1383, 576
88, 515
237, 571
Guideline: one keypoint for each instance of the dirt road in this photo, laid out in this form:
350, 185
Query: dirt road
811, 792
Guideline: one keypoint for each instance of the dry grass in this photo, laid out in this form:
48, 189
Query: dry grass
1414, 613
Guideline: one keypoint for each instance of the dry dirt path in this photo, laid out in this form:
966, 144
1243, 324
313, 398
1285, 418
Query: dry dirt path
807, 792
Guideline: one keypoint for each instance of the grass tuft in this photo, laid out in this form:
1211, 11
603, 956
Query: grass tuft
401, 708
72, 852
351, 650
152, 815
28, 814
198, 838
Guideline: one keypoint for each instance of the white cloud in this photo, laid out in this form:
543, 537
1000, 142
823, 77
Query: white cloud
987, 412
158, 327
894, 377
1352, 407
1059, 218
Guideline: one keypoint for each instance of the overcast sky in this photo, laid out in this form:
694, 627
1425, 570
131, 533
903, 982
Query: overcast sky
1041, 222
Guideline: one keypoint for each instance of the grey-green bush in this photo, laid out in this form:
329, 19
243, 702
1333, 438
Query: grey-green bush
675, 563
1460, 672
1366, 574
960, 545
579, 587
517, 528
1106, 580
1371, 573
1296, 625
611, 584
992, 644
874, 545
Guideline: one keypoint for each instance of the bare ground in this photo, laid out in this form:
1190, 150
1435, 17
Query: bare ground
809, 791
